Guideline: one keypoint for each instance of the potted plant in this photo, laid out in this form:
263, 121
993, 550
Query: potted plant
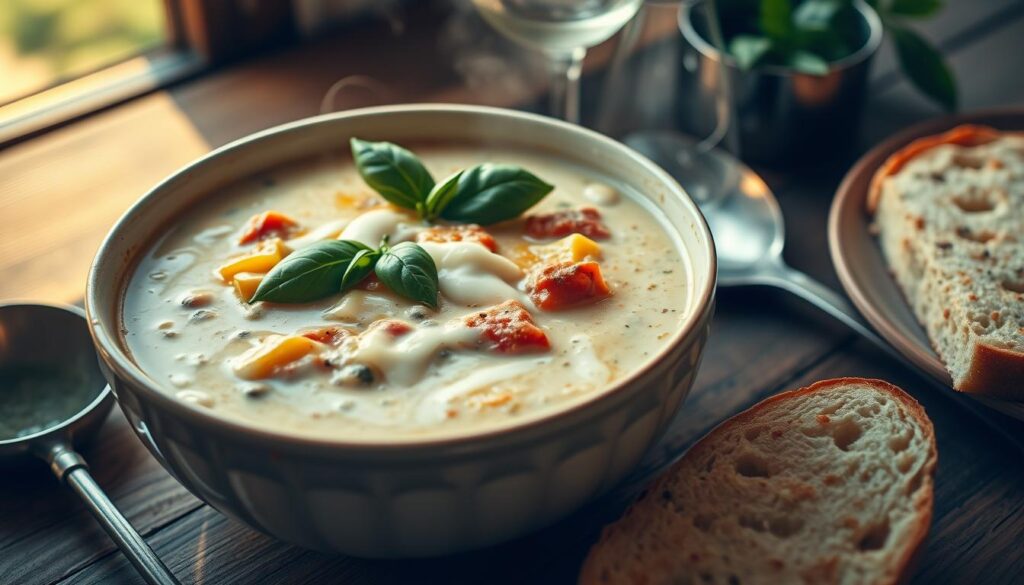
794, 72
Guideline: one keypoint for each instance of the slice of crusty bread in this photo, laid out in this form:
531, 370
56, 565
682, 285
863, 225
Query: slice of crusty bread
949, 211
827, 484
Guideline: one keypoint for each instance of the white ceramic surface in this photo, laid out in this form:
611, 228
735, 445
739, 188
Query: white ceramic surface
430, 497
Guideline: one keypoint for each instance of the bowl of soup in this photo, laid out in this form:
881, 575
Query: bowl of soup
405, 331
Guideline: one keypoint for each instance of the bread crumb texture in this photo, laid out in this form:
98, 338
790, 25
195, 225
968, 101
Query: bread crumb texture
827, 484
951, 223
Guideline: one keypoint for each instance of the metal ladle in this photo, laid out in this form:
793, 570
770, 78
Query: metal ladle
749, 233
54, 338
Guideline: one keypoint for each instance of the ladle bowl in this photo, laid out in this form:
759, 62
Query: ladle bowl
50, 339
27, 337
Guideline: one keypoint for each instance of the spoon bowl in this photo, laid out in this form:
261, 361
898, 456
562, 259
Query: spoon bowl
54, 398
746, 224
51, 338
744, 217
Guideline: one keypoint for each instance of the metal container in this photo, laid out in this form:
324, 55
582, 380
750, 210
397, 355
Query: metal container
778, 115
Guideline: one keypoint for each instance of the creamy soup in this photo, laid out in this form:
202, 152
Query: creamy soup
533, 313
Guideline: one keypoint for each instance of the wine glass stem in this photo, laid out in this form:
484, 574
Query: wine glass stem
565, 84
724, 115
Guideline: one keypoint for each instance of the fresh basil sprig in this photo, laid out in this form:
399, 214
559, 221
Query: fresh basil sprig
394, 172
409, 270
359, 268
485, 194
308, 274
441, 195
332, 266
490, 193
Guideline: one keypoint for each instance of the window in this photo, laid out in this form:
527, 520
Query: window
46, 42
63, 59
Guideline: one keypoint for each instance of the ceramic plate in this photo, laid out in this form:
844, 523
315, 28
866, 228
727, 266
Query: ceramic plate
859, 262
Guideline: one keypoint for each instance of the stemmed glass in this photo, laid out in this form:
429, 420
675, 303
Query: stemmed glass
563, 30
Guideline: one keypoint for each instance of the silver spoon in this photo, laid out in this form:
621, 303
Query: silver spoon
53, 397
749, 233
747, 225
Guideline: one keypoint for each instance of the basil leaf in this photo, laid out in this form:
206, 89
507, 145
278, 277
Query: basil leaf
490, 193
441, 195
914, 7
408, 270
359, 268
925, 67
393, 171
815, 15
806, 62
308, 274
748, 49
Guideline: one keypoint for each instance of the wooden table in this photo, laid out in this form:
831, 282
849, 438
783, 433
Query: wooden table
60, 192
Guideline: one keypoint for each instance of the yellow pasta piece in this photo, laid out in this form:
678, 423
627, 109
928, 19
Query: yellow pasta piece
520, 254
246, 284
265, 257
352, 200
275, 352
572, 248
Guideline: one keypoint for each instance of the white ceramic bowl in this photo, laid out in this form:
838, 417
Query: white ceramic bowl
420, 498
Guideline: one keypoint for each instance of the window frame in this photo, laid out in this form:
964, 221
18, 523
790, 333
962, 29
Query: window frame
201, 34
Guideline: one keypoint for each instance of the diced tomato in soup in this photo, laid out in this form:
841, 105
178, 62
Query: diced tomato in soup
268, 223
392, 327
567, 284
328, 335
586, 221
509, 328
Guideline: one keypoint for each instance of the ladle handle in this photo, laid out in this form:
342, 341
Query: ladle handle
70, 468
836, 305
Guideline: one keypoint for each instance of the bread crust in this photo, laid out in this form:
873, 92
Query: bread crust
995, 371
898, 569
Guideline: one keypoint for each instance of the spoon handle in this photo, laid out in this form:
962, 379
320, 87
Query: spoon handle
69, 467
837, 306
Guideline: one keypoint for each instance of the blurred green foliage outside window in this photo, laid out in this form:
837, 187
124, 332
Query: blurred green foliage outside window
45, 42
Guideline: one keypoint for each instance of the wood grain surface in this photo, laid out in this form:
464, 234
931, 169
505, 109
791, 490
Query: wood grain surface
61, 191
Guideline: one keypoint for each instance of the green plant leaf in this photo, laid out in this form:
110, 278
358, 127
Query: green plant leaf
925, 67
490, 193
748, 50
815, 15
777, 19
308, 274
914, 8
394, 172
441, 195
408, 270
806, 62
359, 268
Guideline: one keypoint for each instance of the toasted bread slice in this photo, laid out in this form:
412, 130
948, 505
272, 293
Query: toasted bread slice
949, 211
826, 484
966, 135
